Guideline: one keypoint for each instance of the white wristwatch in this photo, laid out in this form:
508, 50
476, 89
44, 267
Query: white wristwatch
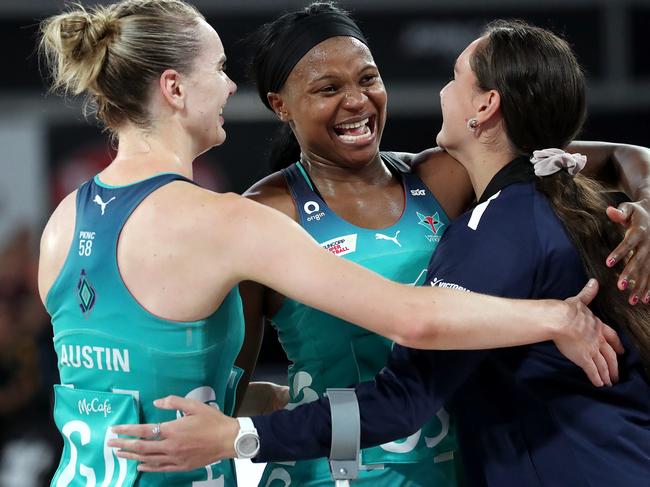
247, 443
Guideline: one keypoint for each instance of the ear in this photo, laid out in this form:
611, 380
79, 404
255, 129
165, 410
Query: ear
279, 107
171, 88
488, 105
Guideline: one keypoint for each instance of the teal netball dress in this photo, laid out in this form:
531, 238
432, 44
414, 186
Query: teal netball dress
115, 358
327, 352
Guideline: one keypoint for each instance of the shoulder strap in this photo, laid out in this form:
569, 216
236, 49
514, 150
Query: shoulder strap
395, 162
304, 194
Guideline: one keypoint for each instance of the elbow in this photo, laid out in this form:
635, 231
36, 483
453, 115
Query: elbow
417, 330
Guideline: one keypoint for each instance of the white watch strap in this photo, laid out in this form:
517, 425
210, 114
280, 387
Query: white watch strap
246, 424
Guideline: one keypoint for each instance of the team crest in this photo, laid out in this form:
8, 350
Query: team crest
432, 222
86, 293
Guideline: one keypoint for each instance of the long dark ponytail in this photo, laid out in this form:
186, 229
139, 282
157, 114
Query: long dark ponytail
543, 104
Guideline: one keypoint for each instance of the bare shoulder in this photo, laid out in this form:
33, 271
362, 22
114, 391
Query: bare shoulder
55, 243
210, 217
273, 191
447, 179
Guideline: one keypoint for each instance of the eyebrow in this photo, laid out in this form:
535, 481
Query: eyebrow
328, 76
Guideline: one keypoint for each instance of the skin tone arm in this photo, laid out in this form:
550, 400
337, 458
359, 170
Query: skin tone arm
619, 166
416, 317
202, 436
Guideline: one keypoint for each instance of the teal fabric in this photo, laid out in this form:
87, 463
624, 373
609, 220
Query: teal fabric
109, 347
328, 352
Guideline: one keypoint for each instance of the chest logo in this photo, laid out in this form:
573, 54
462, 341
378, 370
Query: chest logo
313, 210
431, 223
381, 236
418, 192
311, 207
100, 202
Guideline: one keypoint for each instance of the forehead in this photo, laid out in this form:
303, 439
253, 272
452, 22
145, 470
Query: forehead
335, 53
210, 40
466, 55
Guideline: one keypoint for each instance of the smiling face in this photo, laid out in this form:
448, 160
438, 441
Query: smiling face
208, 90
458, 102
335, 101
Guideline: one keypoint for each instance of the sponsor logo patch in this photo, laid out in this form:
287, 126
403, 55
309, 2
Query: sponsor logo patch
345, 244
313, 210
439, 282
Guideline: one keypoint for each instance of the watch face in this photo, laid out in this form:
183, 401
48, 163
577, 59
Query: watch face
248, 444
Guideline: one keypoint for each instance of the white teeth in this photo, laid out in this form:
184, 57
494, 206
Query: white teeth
355, 138
354, 125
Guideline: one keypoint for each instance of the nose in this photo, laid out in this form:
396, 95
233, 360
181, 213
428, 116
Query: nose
354, 98
444, 88
232, 87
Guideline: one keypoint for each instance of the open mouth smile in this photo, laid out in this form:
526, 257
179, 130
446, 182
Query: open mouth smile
355, 132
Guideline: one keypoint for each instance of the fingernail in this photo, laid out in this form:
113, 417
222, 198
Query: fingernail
635, 299
646, 299
611, 261
623, 284
157, 402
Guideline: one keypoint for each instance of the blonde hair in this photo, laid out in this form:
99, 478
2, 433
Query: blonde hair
112, 54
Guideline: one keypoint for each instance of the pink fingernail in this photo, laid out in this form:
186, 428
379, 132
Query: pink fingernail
646, 299
611, 261
635, 299
624, 284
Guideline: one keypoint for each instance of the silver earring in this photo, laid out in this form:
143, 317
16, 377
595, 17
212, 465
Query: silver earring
472, 124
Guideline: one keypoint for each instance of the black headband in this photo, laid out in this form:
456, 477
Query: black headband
291, 48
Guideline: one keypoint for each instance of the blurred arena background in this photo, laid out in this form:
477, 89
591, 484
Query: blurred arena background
47, 148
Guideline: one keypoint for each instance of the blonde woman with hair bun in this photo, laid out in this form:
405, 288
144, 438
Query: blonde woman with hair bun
139, 266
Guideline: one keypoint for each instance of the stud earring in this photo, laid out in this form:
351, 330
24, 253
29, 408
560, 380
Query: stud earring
472, 125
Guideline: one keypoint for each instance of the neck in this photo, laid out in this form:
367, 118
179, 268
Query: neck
143, 153
482, 164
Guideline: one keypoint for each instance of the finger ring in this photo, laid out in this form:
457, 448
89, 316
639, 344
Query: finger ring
631, 283
155, 432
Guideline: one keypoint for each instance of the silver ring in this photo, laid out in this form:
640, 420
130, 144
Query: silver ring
155, 432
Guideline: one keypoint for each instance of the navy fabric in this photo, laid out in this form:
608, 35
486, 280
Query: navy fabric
526, 416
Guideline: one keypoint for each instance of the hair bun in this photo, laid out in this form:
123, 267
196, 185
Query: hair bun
76, 43
85, 33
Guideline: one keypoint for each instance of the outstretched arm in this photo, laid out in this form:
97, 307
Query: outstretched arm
420, 317
404, 395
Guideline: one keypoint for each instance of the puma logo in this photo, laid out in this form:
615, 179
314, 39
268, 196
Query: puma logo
381, 236
98, 200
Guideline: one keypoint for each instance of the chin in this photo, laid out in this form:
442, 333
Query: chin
440, 140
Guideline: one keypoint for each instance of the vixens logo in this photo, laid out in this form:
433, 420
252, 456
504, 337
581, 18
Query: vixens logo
432, 222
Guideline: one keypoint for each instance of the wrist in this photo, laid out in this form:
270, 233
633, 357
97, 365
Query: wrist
555, 325
229, 433
247, 442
